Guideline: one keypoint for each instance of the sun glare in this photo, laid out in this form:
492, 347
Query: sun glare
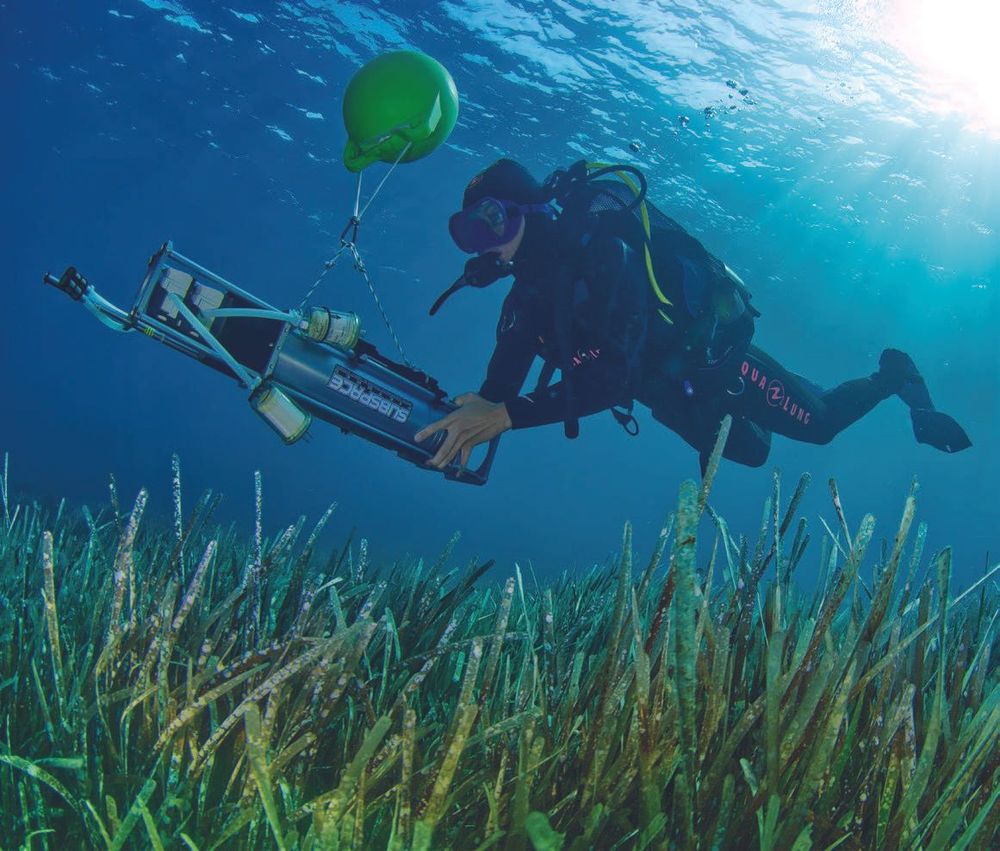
955, 44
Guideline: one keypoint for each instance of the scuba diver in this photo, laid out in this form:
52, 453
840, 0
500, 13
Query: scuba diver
628, 306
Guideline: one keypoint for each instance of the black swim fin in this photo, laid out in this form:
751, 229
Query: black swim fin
900, 375
938, 430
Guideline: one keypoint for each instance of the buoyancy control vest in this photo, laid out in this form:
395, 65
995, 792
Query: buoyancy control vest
668, 305
697, 304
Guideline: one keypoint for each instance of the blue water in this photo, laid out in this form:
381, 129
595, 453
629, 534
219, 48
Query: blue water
860, 209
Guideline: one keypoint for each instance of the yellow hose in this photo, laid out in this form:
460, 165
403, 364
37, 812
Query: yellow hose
644, 217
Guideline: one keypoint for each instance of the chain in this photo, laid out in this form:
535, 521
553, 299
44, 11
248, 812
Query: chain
359, 264
348, 238
327, 267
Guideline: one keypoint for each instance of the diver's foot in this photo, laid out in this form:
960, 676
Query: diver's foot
938, 430
901, 377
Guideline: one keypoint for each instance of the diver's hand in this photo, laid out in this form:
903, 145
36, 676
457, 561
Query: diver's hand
474, 421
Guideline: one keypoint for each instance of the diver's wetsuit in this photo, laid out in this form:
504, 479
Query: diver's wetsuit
761, 395
525, 331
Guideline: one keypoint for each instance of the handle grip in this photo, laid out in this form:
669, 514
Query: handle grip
481, 473
71, 282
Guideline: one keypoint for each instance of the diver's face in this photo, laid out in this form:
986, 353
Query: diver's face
509, 249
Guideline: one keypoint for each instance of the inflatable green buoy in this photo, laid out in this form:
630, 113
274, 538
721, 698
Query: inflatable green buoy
397, 99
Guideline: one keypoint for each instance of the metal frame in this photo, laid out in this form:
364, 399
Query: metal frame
299, 365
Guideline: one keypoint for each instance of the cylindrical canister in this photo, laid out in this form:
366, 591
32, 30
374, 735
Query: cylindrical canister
336, 329
280, 412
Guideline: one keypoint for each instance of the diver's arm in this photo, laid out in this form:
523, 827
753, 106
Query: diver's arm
483, 416
516, 349
508, 368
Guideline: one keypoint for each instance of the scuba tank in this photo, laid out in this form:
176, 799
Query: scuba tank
704, 308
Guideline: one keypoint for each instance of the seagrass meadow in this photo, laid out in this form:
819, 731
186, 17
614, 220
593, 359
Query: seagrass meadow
181, 687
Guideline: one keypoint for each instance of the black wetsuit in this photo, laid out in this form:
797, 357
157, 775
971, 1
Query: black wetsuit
675, 381
527, 329
763, 397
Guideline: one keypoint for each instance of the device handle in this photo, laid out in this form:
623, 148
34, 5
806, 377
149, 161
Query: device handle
70, 282
481, 473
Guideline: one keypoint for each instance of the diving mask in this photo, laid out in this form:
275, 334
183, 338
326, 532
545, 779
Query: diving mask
490, 223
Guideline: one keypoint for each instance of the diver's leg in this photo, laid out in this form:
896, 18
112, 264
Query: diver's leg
747, 444
764, 391
788, 404
698, 425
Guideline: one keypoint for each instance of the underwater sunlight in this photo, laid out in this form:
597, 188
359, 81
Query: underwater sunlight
954, 44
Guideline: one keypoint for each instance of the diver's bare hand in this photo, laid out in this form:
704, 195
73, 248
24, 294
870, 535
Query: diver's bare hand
474, 421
